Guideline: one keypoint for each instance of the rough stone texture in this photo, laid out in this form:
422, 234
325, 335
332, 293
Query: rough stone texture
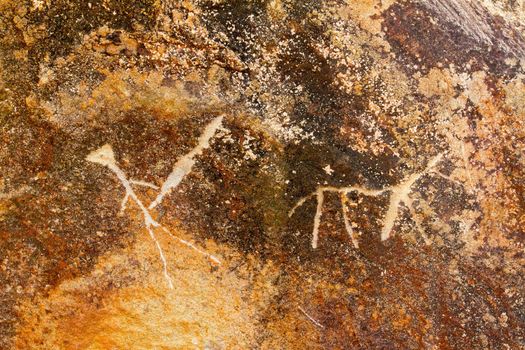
365, 189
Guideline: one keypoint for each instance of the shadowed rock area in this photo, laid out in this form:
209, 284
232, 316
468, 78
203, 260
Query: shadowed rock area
273, 174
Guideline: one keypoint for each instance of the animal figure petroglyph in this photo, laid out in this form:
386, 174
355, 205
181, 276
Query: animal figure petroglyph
399, 195
106, 157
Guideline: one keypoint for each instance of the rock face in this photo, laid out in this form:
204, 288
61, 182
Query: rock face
270, 174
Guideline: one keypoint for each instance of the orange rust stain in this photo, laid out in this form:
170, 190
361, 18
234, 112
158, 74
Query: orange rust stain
125, 303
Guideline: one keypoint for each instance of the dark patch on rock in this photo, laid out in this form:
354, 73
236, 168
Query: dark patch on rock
243, 22
423, 41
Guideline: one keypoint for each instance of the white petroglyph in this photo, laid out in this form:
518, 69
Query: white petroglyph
313, 320
106, 157
399, 195
348, 226
185, 164
317, 217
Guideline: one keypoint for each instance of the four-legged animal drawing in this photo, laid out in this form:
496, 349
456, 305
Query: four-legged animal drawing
399, 194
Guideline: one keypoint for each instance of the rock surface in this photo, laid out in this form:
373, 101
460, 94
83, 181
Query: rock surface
270, 174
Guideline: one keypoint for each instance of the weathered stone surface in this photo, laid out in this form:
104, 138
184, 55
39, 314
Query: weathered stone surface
221, 174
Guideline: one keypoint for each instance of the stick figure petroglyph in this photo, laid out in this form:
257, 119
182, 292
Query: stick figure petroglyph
106, 157
399, 194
